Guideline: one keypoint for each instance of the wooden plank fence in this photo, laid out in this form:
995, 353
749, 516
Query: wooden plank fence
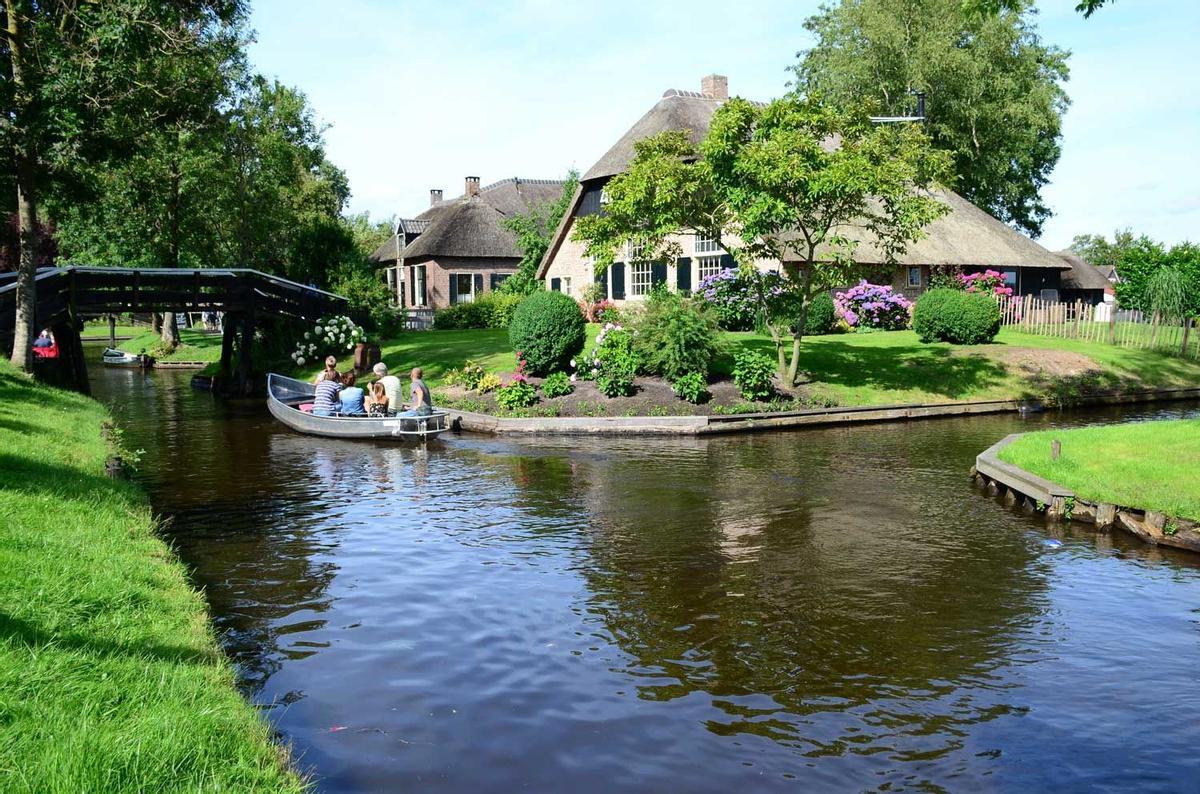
1104, 322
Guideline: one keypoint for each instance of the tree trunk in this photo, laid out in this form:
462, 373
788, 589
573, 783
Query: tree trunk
26, 168
801, 322
170, 331
156, 322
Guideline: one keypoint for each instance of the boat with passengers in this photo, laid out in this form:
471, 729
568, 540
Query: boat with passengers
288, 398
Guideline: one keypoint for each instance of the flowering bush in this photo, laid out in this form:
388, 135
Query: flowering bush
601, 311
872, 306
612, 362
990, 282
330, 335
735, 296
468, 376
489, 382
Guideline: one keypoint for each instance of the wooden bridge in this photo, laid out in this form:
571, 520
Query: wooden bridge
68, 295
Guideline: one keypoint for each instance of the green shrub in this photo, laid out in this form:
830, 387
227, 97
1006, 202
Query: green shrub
613, 362
691, 387
468, 376
518, 394
557, 384
370, 299
499, 308
961, 318
821, 316
548, 329
752, 373
675, 336
460, 316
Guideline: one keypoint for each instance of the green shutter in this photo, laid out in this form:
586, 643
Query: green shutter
658, 273
556, 285
618, 281
453, 288
683, 274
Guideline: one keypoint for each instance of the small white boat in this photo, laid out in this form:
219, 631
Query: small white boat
286, 395
119, 358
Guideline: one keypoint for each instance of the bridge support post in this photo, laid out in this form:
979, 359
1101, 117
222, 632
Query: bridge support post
245, 358
70, 350
228, 330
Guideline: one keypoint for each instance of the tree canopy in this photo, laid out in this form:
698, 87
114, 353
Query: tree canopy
534, 230
1139, 267
994, 89
782, 181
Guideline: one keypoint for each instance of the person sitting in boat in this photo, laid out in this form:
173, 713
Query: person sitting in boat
421, 404
352, 396
391, 385
330, 372
377, 401
325, 399
43, 340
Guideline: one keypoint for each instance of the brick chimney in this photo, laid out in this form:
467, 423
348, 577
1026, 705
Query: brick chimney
715, 86
471, 190
435, 196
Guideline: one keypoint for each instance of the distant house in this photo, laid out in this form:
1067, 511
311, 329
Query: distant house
459, 249
1084, 281
967, 237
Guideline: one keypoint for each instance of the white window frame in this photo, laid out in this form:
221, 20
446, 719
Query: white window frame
565, 285
419, 276
706, 245
458, 293
641, 275
635, 252
915, 269
708, 266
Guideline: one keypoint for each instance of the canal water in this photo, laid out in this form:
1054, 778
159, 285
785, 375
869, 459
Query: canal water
806, 611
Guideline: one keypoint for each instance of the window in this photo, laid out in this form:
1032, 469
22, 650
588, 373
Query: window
639, 278
1010, 278
419, 285
707, 266
635, 251
706, 244
914, 277
464, 285
566, 285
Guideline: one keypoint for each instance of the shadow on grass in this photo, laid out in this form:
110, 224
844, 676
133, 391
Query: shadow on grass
17, 631
935, 369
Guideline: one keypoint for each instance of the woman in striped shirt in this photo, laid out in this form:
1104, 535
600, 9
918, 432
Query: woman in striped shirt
326, 402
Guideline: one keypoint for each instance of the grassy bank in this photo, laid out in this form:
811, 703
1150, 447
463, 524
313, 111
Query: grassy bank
1149, 465
110, 678
860, 369
193, 345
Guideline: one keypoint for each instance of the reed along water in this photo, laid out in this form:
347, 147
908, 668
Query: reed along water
824, 610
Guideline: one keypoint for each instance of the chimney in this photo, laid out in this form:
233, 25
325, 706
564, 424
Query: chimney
471, 190
435, 196
715, 86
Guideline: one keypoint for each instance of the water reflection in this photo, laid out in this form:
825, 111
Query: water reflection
837, 609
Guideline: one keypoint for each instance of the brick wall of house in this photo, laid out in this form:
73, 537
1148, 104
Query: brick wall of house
438, 271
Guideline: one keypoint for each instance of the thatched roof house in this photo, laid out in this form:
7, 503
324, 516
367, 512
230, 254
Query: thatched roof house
966, 237
1083, 281
459, 248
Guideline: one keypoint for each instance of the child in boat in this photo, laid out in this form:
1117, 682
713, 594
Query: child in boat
352, 396
330, 372
325, 401
377, 401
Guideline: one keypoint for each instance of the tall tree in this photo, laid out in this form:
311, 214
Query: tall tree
84, 78
786, 181
994, 89
1096, 250
534, 230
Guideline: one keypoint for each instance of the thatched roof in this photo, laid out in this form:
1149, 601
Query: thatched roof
388, 251
1081, 275
677, 110
966, 236
472, 227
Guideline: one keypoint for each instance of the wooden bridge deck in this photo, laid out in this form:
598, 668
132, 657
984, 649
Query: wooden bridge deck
66, 295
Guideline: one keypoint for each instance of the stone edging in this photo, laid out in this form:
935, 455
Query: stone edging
1019, 487
744, 423
180, 364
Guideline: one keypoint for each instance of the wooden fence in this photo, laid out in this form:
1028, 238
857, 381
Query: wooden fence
1103, 322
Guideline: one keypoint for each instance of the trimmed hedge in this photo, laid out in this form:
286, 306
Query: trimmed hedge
492, 310
961, 318
549, 330
821, 316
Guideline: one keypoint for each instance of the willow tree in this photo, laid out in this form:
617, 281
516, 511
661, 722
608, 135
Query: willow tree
795, 181
82, 79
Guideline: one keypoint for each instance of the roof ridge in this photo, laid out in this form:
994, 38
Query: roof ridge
670, 92
512, 179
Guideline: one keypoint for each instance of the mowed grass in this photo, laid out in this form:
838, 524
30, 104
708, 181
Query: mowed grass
110, 677
1150, 465
856, 369
194, 345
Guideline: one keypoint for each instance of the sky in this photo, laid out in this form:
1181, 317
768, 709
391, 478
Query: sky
418, 95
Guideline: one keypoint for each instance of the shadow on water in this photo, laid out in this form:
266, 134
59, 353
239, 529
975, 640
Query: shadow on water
835, 608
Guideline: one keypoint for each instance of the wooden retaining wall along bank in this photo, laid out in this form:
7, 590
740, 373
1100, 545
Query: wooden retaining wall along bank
1021, 488
746, 423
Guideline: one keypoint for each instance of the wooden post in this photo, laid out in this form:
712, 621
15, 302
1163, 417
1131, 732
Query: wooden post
1187, 328
245, 360
228, 329
112, 330
1112, 323
1055, 449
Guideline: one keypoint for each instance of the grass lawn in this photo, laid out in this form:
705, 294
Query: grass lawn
110, 677
1149, 465
870, 369
194, 345
99, 329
